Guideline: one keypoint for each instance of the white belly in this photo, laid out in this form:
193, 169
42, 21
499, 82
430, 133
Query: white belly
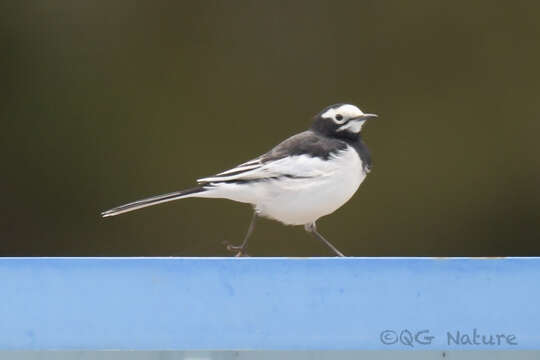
326, 186
303, 201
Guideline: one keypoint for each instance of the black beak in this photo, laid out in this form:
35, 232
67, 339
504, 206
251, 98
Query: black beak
366, 117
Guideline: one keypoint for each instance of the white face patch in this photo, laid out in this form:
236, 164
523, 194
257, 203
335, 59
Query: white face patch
354, 126
341, 116
346, 111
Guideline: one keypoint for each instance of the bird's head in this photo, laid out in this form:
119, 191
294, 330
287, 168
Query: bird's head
341, 120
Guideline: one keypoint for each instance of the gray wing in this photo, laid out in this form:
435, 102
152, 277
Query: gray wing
283, 160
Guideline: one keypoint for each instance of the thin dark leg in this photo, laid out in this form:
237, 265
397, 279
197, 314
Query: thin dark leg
312, 228
241, 249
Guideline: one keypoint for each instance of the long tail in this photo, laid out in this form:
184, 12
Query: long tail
154, 200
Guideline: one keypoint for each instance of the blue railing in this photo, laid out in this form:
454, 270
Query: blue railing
269, 303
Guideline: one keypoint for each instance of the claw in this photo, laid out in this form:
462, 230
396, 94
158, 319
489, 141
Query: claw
239, 250
234, 248
242, 254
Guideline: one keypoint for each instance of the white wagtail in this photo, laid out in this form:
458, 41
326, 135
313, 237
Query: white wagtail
305, 177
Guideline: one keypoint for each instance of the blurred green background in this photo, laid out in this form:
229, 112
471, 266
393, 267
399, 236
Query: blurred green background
107, 102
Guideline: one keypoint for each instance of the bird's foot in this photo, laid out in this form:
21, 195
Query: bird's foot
238, 249
242, 254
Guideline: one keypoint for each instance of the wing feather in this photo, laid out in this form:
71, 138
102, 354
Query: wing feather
300, 156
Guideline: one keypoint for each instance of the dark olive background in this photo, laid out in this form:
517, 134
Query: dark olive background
108, 102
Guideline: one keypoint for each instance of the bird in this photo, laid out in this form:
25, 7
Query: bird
307, 176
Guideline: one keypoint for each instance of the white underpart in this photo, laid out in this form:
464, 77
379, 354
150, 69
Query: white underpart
354, 126
312, 188
347, 111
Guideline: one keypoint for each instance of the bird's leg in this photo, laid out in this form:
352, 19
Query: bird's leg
241, 249
312, 228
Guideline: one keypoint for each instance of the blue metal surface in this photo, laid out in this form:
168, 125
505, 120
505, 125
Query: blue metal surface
269, 303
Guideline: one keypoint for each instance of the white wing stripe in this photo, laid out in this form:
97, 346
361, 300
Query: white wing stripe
254, 161
239, 169
299, 166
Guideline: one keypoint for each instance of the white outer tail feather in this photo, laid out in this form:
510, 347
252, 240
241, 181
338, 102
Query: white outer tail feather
154, 200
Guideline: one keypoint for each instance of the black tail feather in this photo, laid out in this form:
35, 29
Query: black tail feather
154, 200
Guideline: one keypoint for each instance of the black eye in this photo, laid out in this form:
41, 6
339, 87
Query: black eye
339, 117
